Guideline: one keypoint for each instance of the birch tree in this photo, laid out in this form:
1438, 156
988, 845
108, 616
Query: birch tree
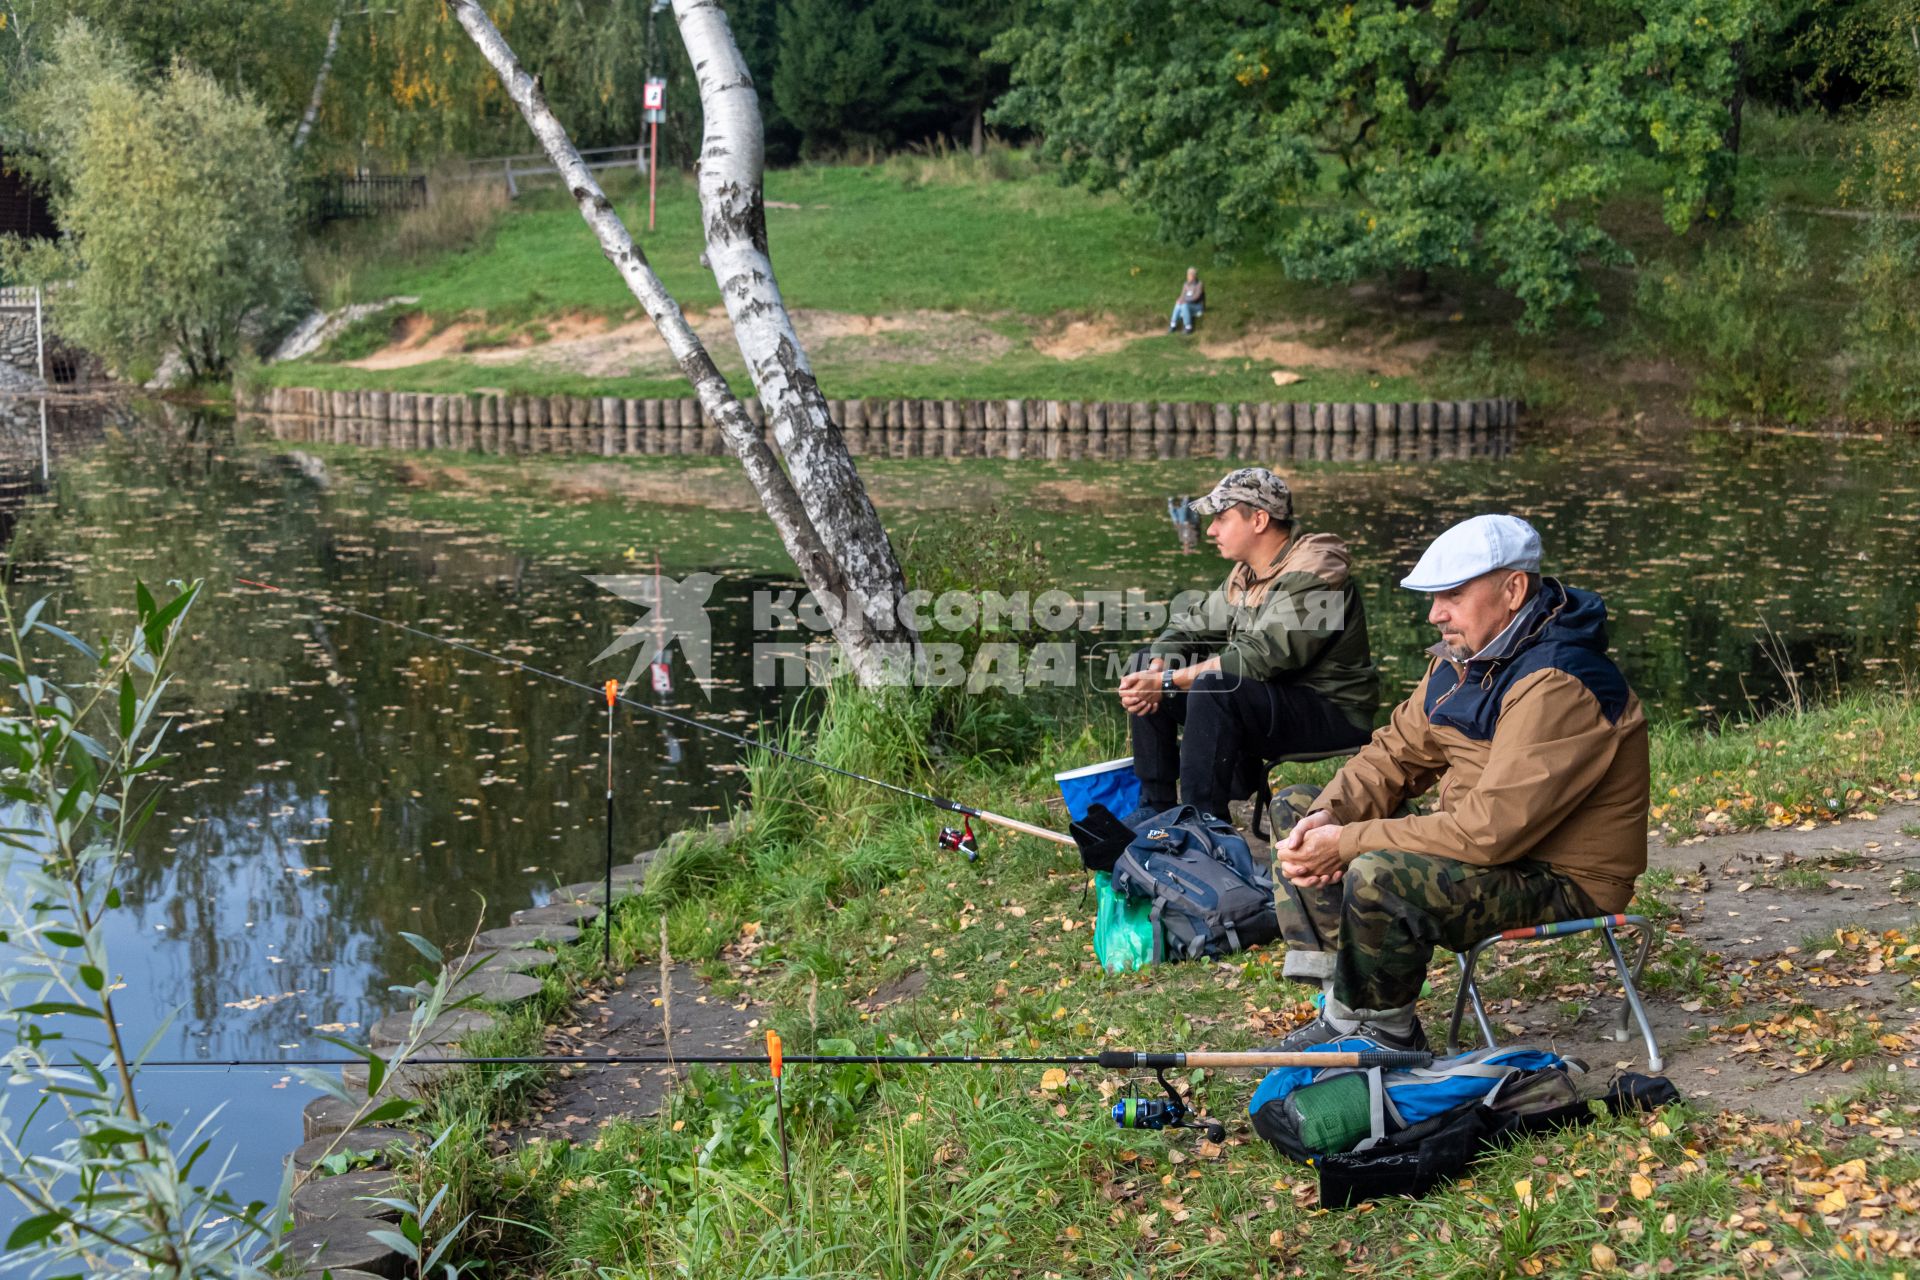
822, 512
312, 112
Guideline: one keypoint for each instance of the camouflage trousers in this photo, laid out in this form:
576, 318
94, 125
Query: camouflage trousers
1374, 930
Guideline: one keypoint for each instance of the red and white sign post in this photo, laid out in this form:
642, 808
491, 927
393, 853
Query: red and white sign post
655, 103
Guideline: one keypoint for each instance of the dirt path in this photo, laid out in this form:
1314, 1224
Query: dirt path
627, 1019
1750, 904
607, 347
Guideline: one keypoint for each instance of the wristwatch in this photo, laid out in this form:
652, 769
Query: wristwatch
1166, 681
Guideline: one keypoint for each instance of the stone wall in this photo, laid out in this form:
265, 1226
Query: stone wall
67, 365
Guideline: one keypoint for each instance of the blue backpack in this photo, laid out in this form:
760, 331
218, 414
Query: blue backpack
1208, 896
1312, 1113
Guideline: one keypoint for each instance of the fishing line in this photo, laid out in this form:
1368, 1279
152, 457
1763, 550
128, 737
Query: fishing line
940, 802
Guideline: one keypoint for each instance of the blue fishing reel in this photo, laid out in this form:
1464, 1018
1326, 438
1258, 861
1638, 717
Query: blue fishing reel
1170, 1112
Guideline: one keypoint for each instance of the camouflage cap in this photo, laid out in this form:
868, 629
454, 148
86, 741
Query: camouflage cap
1255, 486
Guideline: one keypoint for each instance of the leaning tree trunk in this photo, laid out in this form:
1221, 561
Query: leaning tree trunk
841, 557
732, 161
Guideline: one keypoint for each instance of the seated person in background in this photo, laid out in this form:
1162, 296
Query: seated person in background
1286, 665
1540, 750
1192, 301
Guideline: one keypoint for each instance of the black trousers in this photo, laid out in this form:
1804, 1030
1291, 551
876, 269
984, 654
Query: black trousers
1218, 737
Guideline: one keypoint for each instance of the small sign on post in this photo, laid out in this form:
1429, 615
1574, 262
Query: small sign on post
654, 100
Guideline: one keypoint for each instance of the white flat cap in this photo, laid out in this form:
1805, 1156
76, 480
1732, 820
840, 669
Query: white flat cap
1474, 547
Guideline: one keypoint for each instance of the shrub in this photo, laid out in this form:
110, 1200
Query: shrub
1736, 323
173, 196
1883, 328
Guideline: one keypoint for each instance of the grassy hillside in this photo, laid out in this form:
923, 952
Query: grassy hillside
946, 276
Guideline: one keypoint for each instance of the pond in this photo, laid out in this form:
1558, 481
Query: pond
338, 782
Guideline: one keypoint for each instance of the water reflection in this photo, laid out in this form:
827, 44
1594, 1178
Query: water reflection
338, 782
335, 781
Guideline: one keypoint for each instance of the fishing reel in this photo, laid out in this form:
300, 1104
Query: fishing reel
961, 839
1170, 1112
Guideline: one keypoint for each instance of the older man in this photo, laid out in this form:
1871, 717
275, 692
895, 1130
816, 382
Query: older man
1274, 661
1540, 752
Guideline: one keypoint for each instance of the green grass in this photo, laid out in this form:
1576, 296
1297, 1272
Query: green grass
997, 242
865, 240
1002, 245
1153, 370
989, 1172
1785, 768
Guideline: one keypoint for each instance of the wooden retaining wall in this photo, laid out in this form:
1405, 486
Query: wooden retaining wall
1040, 429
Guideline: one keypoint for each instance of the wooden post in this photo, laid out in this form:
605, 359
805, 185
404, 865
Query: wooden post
854, 429
1131, 431
1096, 446
1074, 446
1220, 443
1265, 433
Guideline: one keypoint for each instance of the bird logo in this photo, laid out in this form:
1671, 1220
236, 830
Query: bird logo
677, 611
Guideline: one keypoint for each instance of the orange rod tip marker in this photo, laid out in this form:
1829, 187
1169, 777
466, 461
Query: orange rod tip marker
613, 692
773, 1052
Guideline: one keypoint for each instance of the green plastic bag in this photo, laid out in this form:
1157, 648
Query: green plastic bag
1123, 929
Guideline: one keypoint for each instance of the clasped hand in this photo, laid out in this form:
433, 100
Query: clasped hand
1310, 855
1140, 692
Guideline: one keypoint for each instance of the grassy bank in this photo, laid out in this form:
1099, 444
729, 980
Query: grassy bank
966, 267
835, 910
954, 277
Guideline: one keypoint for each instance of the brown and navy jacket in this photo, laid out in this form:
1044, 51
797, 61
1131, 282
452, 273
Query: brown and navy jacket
1539, 751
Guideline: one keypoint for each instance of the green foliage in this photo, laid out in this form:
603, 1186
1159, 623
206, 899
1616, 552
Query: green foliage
1886, 157
363, 337
105, 1187
1377, 138
173, 197
1883, 328
1736, 322
740, 1118
879, 72
1836, 54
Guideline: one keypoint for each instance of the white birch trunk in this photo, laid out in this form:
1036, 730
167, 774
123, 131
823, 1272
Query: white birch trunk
319, 83
732, 162
824, 572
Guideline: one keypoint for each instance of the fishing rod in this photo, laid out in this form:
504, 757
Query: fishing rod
961, 839
1172, 1112
1112, 1059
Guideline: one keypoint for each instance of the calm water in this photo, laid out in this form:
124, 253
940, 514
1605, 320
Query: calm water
339, 782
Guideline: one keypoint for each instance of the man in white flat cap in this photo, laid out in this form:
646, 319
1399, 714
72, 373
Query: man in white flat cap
1539, 750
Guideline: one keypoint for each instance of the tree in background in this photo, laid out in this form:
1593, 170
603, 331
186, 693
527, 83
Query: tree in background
172, 194
1838, 55
884, 72
1381, 138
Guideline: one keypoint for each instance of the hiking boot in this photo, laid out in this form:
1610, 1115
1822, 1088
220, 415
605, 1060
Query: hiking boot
1320, 1031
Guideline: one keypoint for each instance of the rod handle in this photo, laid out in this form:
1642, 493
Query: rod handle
1128, 1060
1024, 828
